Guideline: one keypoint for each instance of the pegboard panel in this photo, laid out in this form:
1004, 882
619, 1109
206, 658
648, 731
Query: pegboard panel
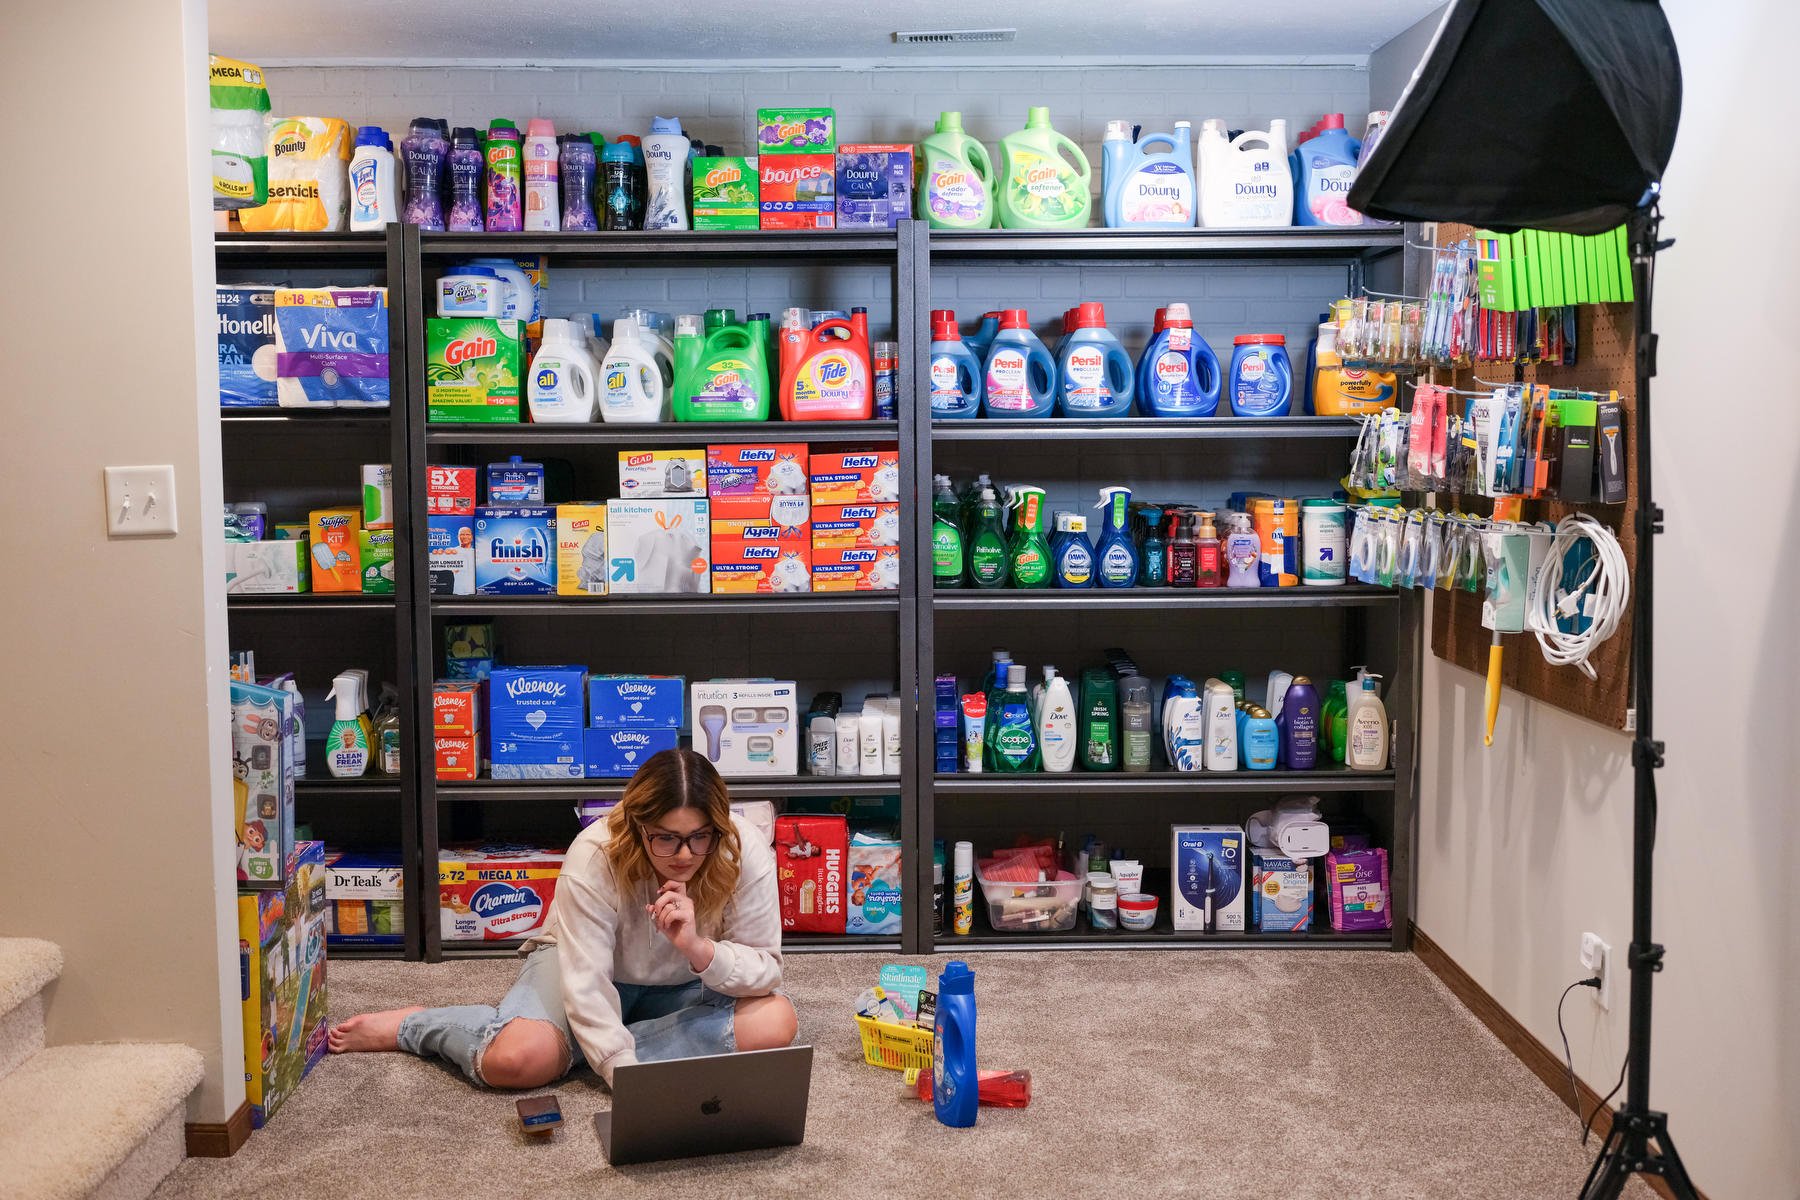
1605, 361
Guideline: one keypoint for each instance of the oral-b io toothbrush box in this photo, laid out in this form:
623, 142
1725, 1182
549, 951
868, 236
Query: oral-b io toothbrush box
535, 722
515, 550
1195, 849
745, 727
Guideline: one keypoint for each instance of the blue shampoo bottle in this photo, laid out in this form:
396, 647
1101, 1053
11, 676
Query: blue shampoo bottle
954, 1082
1094, 375
956, 373
1178, 375
1116, 560
1020, 379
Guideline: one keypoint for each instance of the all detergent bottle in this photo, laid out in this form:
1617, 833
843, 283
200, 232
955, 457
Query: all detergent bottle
635, 377
1144, 190
1020, 379
955, 375
1028, 553
1262, 379
827, 377
983, 337
1324, 167
956, 178
719, 376
1094, 375
1245, 182
1117, 565
564, 387
1044, 178
1178, 375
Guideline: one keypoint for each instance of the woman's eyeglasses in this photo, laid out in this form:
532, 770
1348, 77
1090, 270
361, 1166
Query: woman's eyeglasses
667, 845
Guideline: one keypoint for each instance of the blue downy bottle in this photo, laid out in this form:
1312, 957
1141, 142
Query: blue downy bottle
956, 373
1020, 379
1071, 553
1116, 559
1178, 376
1094, 376
954, 1087
1141, 190
983, 337
1324, 167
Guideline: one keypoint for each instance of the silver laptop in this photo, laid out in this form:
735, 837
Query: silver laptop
714, 1105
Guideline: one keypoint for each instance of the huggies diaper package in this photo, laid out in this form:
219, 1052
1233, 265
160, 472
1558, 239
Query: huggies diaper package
873, 898
495, 893
1282, 899
331, 347
515, 550
581, 549
810, 854
247, 355
658, 547
309, 178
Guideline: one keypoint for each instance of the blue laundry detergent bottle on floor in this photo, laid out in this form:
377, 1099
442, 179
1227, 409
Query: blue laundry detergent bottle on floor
955, 1093
1262, 379
1020, 380
1094, 375
1142, 190
955, 378
1178, 375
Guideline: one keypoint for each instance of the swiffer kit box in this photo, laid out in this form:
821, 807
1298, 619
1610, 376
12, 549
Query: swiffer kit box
745, 727
810, 854
535, 721
1208, 862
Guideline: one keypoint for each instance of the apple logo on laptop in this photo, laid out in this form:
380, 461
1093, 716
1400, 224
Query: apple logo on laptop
712, 1107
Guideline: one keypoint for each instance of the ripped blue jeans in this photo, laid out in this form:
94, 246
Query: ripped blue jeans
682, 1020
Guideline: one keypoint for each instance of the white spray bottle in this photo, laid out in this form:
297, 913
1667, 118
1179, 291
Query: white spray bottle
1221, 726
1056, 723
347, 746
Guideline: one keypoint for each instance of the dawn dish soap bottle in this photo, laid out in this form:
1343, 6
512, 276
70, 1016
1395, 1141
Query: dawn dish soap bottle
1324, 167
946, 537
1094, 375
1020, 379
1044, 178
1118, 555
1142, 190
1178, 375
1072, 551
1028, 553
955, 378
956, 178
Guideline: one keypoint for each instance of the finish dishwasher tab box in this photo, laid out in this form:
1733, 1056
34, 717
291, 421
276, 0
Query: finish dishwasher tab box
856, 476
856, 569
535, 722
246, 346
1208, 863
658, 547
581, 549
495, 893
810, 854
743, 481
473, 366
515, 550
798, 191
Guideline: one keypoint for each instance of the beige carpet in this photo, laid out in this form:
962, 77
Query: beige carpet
1285, 1075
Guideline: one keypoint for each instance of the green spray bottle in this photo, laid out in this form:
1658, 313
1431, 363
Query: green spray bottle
947, 563
1028, 552
989, 560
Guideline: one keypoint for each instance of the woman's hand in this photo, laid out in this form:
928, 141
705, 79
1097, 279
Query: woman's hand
672, 912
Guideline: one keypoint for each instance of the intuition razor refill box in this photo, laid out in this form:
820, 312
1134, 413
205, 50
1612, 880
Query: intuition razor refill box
745, 727
1208, 864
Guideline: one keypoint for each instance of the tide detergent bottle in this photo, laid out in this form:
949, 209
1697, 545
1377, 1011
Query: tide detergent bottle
1324, 167
635, 376
1178, 375
1044, 178
1245, 182
719, 376
956, 178
1020, 379
1094, 375
825, 374
1143, 190
955, 377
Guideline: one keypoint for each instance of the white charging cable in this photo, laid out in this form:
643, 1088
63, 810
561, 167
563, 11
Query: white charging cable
1602, 594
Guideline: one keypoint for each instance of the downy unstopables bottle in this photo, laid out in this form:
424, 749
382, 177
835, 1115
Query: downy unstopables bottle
1044, 178
989, 561
466, 169
424, 150
621, 191
1028, 552
947, 567
576, 168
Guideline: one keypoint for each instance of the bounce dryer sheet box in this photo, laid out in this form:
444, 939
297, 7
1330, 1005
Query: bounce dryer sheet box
798, 191
856, 569
810, 854
495, 893
450, 555
1281, 899
853, 526
658, 547
246, 316
515, 550
535, 722
581, 549
760, 562
1208, 863
744, 480
654, 474
745, 727
725, 193
473, 369
856, 476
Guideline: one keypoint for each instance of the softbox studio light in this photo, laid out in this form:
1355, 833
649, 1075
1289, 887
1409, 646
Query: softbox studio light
1539, 114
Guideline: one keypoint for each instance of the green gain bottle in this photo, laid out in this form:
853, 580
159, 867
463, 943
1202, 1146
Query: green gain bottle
1028, 551
946, 538
989, 560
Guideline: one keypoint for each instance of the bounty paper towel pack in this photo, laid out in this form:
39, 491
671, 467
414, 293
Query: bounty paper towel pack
331, 347
309, 178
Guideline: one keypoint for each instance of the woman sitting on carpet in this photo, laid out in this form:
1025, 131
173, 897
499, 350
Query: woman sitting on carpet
664, 942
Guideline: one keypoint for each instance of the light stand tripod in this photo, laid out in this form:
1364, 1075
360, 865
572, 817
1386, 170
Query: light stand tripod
1639, 1142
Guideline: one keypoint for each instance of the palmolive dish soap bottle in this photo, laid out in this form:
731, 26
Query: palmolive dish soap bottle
825, 373
956, 178
1044, 178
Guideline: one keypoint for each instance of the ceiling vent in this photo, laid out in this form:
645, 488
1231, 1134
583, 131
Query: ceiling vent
944, 37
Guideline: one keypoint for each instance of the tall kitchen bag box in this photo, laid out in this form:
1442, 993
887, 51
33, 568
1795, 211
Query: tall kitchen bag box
281, 951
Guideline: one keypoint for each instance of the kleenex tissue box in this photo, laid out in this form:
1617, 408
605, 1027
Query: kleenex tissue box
535, 722
618, 751
649, 700
1208, 858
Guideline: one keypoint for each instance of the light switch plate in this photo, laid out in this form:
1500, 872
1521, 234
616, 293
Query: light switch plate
140, 501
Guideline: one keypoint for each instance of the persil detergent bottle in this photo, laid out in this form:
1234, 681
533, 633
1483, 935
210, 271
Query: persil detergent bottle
1044, 178
1324, 167
1094, 375
1262, 379
1020, 376
1245, 182
1144, 190
1178, 375
955, 377
983, 337
956, 178
825, 374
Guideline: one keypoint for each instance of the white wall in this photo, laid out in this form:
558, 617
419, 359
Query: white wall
115, 805
1523, 846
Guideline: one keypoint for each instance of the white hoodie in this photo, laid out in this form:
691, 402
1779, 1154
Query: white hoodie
604, 937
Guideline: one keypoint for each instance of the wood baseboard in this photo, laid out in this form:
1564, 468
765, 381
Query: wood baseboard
220, 1141
1544, 1062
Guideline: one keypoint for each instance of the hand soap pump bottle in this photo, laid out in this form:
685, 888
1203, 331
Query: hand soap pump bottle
347, 746
1118, 554
955, 1092
1208, 569
1243, 552
1366, 746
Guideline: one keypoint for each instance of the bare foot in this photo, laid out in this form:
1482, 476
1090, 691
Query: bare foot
370, 1031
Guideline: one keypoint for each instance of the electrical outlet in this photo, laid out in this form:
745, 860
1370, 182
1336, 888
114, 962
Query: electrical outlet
1596, 959
140, 501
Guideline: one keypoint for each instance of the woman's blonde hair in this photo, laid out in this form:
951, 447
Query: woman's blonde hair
670, 780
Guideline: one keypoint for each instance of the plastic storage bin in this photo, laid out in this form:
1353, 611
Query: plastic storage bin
895, 1047
1035, 906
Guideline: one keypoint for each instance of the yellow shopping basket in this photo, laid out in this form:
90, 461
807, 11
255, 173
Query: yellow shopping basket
895, 1047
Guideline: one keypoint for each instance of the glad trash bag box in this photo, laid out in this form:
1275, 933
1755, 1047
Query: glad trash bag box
495, 892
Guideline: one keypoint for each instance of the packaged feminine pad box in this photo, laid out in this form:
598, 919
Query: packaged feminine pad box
810, 854
872, 899
331, 347
494, 893
246, 317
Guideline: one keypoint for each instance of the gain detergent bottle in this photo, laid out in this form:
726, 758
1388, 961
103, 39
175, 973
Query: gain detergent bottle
1044, 178
956, 178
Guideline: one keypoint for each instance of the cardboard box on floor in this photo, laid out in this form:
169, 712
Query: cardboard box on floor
281, 945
